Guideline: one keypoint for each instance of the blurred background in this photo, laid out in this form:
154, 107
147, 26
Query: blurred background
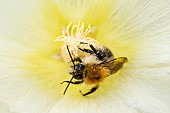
4, 108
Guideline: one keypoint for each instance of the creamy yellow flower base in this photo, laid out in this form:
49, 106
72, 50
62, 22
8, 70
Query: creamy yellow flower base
129, 28
48, 66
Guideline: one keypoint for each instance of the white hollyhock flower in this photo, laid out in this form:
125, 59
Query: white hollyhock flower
31, 66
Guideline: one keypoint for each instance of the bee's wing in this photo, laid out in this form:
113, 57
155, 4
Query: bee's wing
114, 64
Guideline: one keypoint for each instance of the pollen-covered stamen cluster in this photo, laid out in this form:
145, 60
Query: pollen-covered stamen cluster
74, 35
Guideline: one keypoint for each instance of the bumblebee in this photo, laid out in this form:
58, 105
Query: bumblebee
93, 68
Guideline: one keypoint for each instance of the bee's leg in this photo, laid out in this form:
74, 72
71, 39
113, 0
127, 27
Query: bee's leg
91, 91
87, 50
93, 51
97, 52
75, 82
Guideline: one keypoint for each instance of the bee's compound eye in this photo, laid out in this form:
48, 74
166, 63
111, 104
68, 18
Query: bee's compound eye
79, 67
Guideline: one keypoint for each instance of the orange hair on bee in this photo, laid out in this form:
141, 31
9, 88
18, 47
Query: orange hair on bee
95, 74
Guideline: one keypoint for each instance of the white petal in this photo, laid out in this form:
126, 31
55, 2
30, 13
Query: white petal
23, 31
138, 30
4, 108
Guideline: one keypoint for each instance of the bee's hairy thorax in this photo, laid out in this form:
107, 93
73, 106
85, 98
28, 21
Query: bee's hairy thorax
94, 74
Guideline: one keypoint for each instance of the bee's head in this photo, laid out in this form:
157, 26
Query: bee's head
78, 71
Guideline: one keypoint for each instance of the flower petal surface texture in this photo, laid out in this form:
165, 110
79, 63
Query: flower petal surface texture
32, 67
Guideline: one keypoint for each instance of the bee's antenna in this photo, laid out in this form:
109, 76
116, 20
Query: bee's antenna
73, 71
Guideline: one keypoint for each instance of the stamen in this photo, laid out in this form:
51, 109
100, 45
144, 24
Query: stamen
72, 36
72, 30
87, 31
68, 27
81, 28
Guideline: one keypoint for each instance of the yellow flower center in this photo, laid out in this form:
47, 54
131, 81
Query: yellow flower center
48, 68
